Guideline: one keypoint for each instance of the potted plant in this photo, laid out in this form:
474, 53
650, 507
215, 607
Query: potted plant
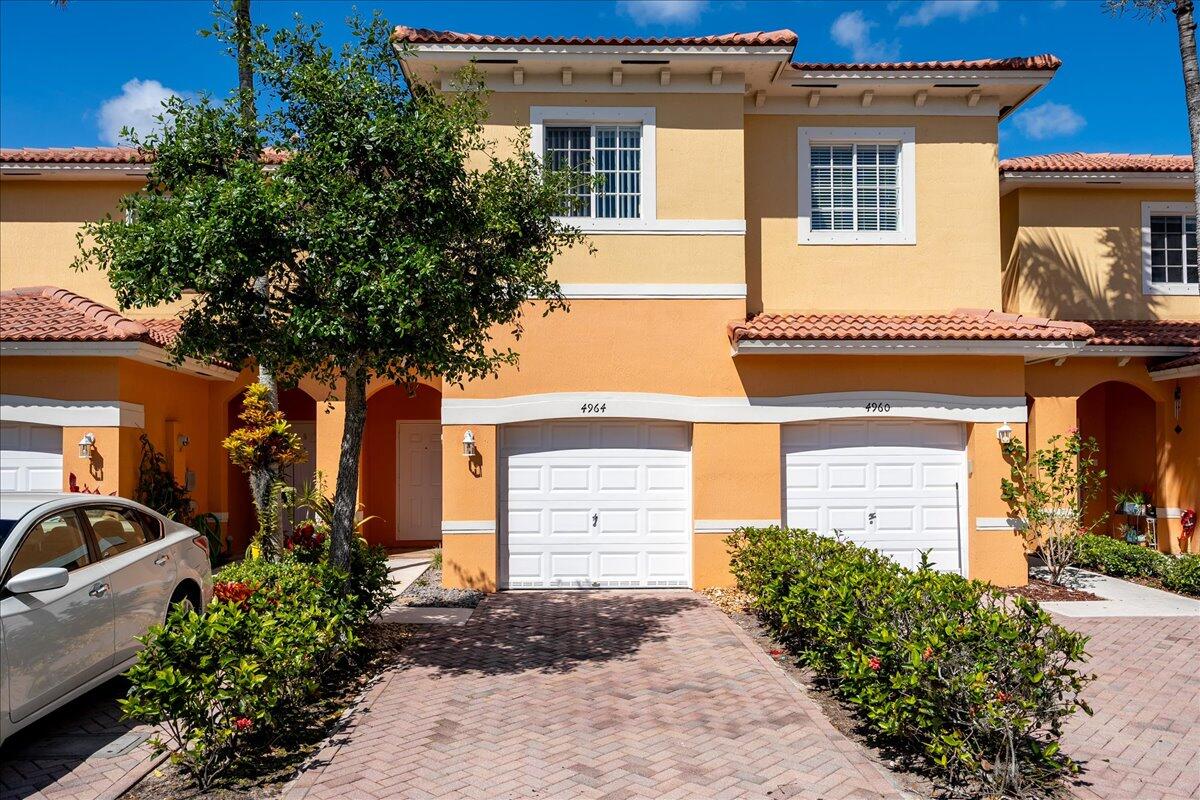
1132, 536
1130, 503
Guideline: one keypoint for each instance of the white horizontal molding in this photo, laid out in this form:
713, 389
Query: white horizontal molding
135, 351
451, 527
916, 347
684, 408
1136, 351
71, 413
654, 291
730, 525
1169, 513
1178, 372
1141, 180
596, 83
599, 52
998, 524
797, 103
663, 227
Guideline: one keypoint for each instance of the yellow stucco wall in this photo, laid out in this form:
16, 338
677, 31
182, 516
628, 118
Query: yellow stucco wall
1077, 254
953, 263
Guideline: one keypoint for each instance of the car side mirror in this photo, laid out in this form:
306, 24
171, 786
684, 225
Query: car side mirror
38, 579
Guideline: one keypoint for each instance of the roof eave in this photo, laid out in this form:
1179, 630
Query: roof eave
1029, 348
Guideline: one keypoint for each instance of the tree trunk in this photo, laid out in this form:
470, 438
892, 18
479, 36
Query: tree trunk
345, 499
244, 30
1185, 17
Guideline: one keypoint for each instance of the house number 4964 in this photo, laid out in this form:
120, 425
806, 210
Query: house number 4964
878, 408
593, 408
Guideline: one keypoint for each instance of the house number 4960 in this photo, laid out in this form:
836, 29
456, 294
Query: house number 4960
593, 408
878, 408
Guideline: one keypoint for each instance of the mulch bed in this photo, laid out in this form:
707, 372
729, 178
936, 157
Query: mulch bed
269, 774
427, 592
1046, 592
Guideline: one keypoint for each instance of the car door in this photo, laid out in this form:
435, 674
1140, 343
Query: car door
59, 639
141, 570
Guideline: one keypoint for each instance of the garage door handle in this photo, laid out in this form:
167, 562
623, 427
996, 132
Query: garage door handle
595, 518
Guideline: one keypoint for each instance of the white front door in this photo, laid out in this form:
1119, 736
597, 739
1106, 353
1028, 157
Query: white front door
418, 480
31, 458
596, 504
896, 485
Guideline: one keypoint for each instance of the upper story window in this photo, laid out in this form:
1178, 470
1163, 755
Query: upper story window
614, 144
613, 153
1169, 263
857, 186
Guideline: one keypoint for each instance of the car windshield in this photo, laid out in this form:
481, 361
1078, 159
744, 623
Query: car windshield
6, 526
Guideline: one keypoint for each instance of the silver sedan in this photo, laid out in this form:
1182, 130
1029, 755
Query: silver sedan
80, 577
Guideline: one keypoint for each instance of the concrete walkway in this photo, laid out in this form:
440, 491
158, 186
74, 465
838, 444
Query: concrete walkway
590, 695
404, 569
1121, 598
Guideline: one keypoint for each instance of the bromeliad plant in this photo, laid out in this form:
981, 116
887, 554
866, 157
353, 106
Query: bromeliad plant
1051, 490
975, 682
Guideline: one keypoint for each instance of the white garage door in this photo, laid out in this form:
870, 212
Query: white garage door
597, 504
896, 485
30, 457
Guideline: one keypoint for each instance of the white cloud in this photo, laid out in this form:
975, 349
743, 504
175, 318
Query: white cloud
932, 10
649, 12
1048, 121
135, 107
852, 30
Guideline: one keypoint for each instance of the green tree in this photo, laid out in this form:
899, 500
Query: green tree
393, 238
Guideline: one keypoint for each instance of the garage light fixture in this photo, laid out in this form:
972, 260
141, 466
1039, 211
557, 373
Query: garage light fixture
1004, 433
85, 446
469, 444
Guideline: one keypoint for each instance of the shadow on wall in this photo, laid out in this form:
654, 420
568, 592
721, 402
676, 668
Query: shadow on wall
1049, 274
549, 632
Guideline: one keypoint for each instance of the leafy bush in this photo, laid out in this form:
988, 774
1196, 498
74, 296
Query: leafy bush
1183, 575
1121, 559
243, 667
976, 681
370, 584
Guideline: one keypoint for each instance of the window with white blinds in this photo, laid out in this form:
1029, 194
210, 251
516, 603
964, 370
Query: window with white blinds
1169, 249
613, 153
855, 187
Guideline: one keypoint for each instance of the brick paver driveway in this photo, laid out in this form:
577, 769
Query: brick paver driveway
1144, 741
83, 751
590, 695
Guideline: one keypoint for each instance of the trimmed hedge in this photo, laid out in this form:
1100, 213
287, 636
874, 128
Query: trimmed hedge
975, 681
1123, 560
1184, 575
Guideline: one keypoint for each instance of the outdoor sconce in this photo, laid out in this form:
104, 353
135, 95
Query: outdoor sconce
184, 440
469, 444
1178, 407
85, 446
1004, 433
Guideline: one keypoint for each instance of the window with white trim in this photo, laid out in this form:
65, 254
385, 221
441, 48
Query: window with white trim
857, 186
1169, 262
613, 153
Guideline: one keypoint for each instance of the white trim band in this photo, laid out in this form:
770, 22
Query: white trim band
1168, 513
654, 291
730, 525
71, 413
998, 524
683, 408
604, 226
914, 347
451, 527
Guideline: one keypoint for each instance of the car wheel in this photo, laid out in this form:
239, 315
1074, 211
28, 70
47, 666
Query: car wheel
183, 598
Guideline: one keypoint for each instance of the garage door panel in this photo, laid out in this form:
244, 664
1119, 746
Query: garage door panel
667, 478
846, 476
565, 478
570, 566
617, 478
30, 457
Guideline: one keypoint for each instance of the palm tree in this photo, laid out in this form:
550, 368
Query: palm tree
1185, 19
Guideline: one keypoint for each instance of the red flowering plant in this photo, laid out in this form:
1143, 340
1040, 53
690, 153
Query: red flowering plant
233, 592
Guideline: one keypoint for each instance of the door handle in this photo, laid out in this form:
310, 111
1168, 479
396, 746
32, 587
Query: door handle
99, 590
595, 519
164, 558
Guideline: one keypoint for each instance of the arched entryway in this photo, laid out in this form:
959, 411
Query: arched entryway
402, 467
1121, 418
301, 412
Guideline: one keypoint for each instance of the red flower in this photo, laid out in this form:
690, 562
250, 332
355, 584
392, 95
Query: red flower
928, 654
776, 653
1002, 697
874, 663
243, 723
232, 592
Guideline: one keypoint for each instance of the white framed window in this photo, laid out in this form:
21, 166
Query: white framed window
1169, 263
857, 186
617, 144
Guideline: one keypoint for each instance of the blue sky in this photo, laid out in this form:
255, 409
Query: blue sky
73, 76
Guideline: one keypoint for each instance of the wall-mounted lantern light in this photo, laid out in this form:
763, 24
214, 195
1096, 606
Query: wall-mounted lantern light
85, 446
1004, 433
469, 444
184, 440
1178, 407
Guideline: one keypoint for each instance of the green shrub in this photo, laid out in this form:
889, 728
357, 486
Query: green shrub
976, 681
1183, 575
370, 584
244, 667
1121, 559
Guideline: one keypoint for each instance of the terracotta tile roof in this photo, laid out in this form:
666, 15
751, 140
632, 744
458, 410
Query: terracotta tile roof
1097, 162
960, 324
1145, 333
1045, 61
783, 38
94, 155
50, 314
1190, 360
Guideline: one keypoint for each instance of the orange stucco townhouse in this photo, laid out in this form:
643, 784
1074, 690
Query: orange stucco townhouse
816, 298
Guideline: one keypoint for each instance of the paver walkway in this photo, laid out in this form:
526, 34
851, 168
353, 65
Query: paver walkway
82, 751
1144, 741
590, 695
